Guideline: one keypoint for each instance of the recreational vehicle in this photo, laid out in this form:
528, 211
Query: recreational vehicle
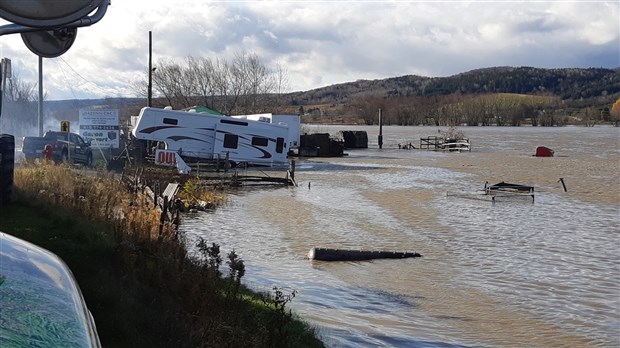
201, 136
293, 123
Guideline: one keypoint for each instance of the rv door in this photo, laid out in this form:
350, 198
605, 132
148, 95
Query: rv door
228, 141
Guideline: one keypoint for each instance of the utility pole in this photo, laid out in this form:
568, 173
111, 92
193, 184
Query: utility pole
150, 87
5, 71
380, 130
40, 117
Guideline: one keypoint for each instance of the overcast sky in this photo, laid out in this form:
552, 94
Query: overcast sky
320, 43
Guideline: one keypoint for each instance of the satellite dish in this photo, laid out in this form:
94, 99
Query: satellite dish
46, 13
51, 43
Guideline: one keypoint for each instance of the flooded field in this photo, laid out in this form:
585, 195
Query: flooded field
513, 273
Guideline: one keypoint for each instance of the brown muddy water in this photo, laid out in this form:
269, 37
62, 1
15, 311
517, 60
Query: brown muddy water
514, 273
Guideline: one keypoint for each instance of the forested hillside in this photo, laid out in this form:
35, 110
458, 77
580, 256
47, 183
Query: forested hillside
565, 83
491, 96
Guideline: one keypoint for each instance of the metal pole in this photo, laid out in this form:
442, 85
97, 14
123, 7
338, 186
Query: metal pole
150, 92
380, 130
40, 116
3, 76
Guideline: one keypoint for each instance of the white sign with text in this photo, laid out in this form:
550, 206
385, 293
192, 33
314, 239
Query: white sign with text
101, 127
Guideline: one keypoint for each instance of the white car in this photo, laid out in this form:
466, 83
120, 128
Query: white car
41, 304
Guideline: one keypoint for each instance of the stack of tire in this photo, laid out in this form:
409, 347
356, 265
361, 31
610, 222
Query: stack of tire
7, 165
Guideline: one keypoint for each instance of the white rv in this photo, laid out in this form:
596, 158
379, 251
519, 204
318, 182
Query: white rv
293, 122
204, 136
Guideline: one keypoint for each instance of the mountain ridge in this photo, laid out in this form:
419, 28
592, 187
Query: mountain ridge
567, 83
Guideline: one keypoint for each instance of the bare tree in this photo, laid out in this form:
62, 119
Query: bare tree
243, 85
19, 108
204, 76
167, 82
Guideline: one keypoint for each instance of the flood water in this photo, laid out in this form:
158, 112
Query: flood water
514, 273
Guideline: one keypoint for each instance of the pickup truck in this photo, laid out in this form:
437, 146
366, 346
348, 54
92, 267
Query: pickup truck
65, 147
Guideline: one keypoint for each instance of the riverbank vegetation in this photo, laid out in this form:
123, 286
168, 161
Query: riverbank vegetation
138, 278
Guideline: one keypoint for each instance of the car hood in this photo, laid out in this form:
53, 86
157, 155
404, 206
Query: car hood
42, 299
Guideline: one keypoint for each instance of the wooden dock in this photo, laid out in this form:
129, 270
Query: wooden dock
444, 144
214, 175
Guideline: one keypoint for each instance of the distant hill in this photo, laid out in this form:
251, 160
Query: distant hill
578, 88
568, 83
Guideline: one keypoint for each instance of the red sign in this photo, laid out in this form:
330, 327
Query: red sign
165, 158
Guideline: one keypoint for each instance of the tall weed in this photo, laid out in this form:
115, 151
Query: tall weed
152, 293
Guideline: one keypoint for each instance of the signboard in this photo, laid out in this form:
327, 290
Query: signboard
101, 127
65, 126
166, 158
171, 158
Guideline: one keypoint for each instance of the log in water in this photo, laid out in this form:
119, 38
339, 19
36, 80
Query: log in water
323, 254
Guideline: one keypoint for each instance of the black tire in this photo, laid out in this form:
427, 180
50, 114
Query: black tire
89, 160
7, 167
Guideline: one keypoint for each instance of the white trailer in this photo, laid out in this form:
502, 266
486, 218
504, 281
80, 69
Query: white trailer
293, 122
200, 136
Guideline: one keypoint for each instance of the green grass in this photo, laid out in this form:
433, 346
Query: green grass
143, 291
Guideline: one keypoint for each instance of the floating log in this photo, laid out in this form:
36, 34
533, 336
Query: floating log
323, 254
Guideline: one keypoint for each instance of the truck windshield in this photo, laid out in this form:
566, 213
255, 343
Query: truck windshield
59, 136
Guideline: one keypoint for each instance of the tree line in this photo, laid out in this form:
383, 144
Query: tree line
498, 109
242, 85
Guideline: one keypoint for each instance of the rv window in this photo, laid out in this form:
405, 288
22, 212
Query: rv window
238, 123
279, 145
171, 121
260, 141
231, 141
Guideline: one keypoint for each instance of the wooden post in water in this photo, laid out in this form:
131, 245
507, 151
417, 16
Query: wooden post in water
162, 217
292, 170
563, 185
226, 162
380, 130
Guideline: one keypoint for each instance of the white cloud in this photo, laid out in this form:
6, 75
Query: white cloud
322, 43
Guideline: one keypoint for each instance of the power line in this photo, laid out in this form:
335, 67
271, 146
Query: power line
87, 81
64, 74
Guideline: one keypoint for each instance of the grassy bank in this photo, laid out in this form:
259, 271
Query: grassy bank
142, 286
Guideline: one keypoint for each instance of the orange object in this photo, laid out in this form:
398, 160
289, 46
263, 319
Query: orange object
47, 152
